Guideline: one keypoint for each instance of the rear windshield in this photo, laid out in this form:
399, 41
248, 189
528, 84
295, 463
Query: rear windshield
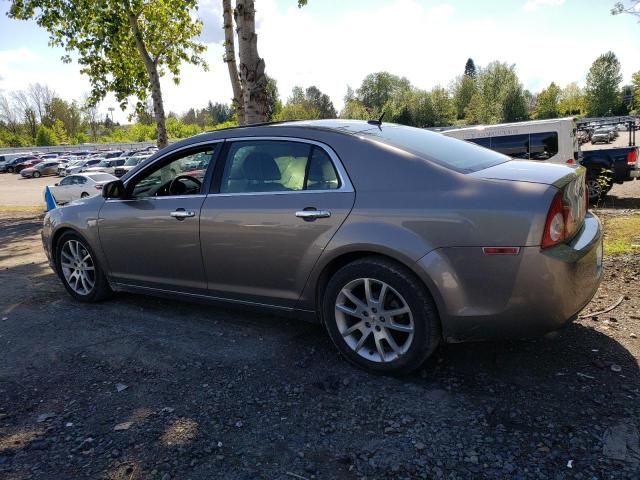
458, 155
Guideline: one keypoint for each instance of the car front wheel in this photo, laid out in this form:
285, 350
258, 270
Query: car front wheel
79, 270
380, 316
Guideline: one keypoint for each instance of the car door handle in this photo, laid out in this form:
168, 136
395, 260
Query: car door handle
313, 214
181, 214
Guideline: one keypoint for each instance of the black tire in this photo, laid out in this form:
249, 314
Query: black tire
101, 289
36, 174
84, 195
426, 322
10, 170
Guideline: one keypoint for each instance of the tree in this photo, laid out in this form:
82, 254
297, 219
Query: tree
378, 88
635, 85
26, 111
632, 9
59, 132
514, 104
443, 109
230, 60
90, 112
45, 137
470, 68
499, 97
571, 100
310, 103
463, 89
124, 46
273, 103
602, 89
547, 105
41, 97
8, 114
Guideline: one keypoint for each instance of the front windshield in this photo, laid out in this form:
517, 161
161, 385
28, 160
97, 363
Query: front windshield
103, 163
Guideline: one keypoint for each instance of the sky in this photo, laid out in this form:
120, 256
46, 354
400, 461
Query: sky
334, 44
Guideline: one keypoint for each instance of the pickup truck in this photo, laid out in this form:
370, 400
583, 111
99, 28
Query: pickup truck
609, 166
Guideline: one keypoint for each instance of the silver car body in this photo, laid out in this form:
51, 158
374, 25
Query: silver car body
253, 248
73, 187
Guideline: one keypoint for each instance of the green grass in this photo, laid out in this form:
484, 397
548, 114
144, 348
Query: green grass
622, 235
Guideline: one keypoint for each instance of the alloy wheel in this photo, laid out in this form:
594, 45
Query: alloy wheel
78, 267
374, 320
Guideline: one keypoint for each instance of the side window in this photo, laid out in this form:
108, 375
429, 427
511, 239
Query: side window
483, 142
182, 175
515, 146
543, 145
265, 166
322, 174
277, 166
67, 181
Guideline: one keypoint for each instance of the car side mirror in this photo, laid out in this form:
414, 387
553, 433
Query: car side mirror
57, 185
114, 189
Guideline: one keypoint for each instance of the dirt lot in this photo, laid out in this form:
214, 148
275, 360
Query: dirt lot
140, 388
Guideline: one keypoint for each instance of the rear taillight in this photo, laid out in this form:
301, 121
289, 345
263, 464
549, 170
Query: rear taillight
632, 157
555, 229
570, 161
98, 187
561, 222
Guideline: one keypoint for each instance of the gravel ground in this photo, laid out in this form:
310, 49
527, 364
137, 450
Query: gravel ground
140, 388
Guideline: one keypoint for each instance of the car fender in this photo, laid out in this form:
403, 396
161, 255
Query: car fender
360, 235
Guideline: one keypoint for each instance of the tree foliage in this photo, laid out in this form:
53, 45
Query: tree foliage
548, 102
602, 89
123, 46
470, 68
571, 100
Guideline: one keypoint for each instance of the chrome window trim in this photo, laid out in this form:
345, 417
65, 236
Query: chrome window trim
345, 181
175, 197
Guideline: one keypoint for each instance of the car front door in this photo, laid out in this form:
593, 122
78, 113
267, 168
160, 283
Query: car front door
151, 237
274, 208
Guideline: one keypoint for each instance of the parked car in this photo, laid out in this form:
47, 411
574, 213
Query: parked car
10, 165
78, 166
106, 166
394, 238
26, 164
49, 167
8, 157
601, 135
129, 164
78, 186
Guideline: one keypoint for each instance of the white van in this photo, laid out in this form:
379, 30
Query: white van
552, 140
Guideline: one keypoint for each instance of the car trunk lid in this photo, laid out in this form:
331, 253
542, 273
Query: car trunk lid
531, 172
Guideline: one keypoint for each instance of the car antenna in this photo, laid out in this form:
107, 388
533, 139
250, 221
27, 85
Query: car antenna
376, 122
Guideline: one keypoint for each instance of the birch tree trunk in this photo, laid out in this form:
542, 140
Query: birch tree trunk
252, 77
154, 79
230, 59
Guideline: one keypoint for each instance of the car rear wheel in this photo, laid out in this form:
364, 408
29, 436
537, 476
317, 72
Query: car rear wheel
36, 174
84, 195
79, 270
380, 316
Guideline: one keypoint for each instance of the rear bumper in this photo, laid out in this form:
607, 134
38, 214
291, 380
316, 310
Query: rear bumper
482, 297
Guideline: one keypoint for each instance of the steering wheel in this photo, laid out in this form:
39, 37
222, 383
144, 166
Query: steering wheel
175, 181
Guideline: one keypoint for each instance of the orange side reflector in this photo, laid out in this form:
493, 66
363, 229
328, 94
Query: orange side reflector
501, 250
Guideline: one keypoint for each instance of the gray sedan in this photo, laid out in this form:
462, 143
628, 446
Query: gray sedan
394, 238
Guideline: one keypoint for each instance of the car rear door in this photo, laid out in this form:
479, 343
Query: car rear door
151, 238
273, 209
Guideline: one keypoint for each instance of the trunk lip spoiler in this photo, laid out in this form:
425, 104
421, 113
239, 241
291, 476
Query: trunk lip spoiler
569, 177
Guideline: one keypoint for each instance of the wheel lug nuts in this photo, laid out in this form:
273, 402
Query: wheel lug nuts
367, 324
